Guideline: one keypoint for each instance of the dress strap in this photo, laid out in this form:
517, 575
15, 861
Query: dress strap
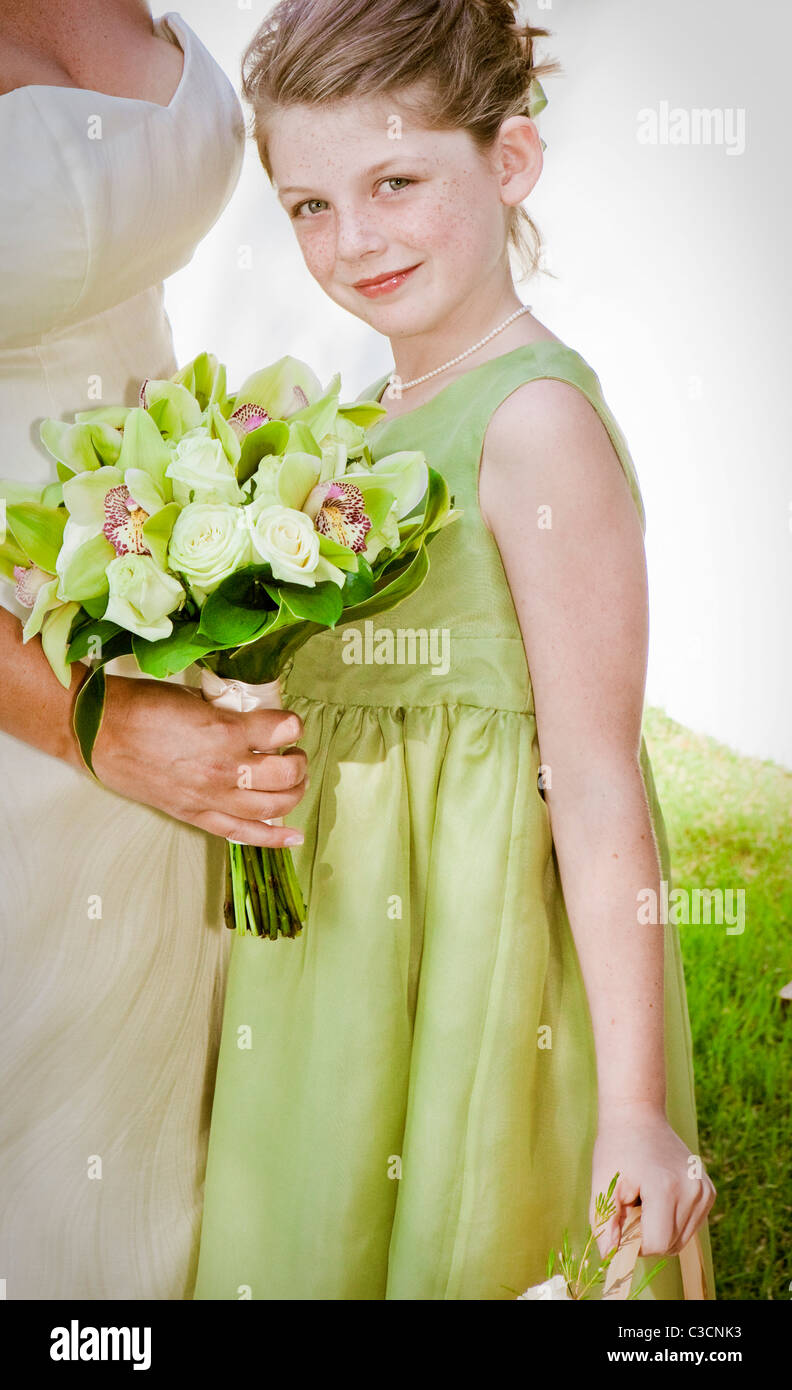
476, 395
486, 388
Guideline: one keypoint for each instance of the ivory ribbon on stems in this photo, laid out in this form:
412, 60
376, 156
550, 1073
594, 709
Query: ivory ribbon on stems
238, 695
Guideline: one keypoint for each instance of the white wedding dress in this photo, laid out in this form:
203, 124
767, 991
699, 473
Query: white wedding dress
113, 944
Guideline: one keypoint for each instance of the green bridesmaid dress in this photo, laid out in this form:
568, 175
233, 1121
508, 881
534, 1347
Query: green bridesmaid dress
389, 1120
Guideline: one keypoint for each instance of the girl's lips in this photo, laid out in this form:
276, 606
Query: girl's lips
386, 285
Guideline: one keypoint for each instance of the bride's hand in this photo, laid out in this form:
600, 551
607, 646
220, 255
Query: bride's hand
164, 745
652, 1161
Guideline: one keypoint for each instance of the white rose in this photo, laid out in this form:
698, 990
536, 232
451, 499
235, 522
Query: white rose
208, 543
141, 596
552, 1290
286, 540
201, 472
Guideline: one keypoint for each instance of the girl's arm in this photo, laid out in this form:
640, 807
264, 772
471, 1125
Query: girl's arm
580, 592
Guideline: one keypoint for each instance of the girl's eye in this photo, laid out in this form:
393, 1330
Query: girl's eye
315, 204
397, 179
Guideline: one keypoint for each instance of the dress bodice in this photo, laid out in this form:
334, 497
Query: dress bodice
465, 608
102, 196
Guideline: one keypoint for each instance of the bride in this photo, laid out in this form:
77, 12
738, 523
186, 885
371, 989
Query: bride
122, 142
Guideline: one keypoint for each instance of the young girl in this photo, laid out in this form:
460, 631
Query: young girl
477, 1029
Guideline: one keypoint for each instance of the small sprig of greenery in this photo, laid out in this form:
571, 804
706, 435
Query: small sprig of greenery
581, 1275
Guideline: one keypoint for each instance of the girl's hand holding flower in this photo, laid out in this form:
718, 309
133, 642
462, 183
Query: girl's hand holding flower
654, 1164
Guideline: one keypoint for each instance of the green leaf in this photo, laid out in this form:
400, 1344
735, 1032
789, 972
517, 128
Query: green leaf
661, 1264
433, 519
39, 531
404, 584
86, 636
264, 659
358, 585
88, 711
89, 704
174, 653
95, 607
321, 604
239, 609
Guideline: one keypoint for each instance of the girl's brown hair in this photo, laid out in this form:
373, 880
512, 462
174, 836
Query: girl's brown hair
471, 63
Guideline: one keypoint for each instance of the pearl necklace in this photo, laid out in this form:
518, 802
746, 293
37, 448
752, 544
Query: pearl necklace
406, 385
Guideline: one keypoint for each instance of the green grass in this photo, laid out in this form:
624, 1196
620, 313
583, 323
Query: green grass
729, 821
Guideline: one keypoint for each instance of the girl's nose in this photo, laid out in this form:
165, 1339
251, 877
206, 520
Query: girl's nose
357, 235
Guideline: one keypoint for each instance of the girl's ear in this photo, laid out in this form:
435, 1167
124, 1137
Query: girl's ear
518, 159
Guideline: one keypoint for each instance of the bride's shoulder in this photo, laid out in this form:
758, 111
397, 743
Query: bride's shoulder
128, 61
24, 65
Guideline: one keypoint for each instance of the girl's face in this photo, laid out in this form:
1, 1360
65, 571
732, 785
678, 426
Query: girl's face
374, 198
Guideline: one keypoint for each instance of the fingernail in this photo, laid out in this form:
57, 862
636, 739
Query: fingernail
307, 782
294, 840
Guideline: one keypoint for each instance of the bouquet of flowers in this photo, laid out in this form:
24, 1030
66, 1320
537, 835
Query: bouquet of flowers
221, 530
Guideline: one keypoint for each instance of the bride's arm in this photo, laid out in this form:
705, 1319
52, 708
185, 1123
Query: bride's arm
34, 706
580, 593
161, 744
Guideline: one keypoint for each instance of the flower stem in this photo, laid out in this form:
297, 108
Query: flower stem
262, 894
238, 881
298, 905
249, 853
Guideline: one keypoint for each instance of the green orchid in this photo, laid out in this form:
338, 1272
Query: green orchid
55, 635
174, 410
220, 429
82, 447
335, 458
108, 515
387, 536
145, 451
339, 431
287, 480
34, 532
282, 390
204, 378
44, 589
113, 415
405, 474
